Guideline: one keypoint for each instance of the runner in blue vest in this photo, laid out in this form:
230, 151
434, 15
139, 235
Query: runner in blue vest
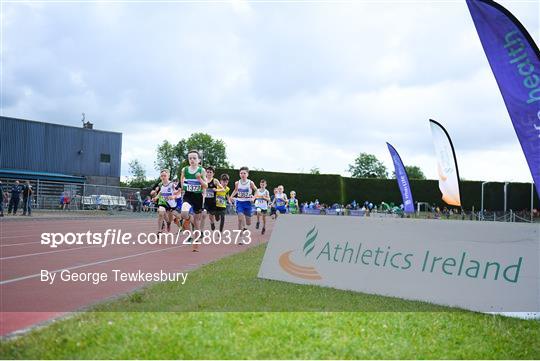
244, 189
280, 201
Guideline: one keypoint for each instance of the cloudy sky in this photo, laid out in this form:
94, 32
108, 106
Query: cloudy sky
287, 85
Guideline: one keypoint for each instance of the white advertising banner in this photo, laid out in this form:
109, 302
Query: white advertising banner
446, 164
480, 266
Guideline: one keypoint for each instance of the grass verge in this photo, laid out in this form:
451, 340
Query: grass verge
131, 327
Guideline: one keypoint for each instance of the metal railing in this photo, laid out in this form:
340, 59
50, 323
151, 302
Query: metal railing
72, 196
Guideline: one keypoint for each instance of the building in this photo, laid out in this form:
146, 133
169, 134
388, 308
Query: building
52, 152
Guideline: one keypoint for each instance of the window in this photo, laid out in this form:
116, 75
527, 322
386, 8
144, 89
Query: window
105, 158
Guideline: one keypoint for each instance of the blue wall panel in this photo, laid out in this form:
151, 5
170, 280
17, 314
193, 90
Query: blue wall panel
46, 147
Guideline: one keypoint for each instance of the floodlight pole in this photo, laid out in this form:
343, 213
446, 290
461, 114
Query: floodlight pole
505, 197
482, 200
532, 200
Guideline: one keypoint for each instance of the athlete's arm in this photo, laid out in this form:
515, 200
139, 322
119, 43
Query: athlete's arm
182, 178
235, 190
202, 178
254, 188
218, 185
178, 191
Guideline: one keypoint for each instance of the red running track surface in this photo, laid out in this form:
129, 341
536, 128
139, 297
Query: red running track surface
27, 301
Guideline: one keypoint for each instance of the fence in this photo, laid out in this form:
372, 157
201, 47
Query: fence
328, 188
72, 196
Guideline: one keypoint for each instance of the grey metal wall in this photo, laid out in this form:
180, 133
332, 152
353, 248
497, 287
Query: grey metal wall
46, 147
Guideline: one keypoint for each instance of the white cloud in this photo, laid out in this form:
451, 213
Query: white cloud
310, 84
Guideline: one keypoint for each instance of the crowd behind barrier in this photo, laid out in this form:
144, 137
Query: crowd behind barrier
68, 196
65, 196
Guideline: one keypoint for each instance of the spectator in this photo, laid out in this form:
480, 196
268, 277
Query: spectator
138, 199
27, 199
15, 198
1, 199
147, 204
67, 200
4, 199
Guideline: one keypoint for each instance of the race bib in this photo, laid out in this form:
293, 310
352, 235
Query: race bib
244, 194
220, 201
193, 187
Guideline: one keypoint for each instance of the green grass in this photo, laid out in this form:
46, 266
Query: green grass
231, 284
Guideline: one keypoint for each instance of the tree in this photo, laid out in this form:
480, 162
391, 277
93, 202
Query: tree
212, 150
413, 171
315, 170
167, 158
174, 157
368, 166
137, 172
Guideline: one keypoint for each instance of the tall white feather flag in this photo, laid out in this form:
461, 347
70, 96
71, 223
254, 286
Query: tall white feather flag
446, 164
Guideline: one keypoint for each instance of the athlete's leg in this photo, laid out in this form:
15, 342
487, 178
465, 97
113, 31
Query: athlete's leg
212, 221
258, 218
161, 216
204, 215
197, 226
185, 215
169, 219
241, 221
222, 220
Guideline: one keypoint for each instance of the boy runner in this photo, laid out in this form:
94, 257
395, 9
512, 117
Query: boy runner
280, 201
166, 200
193, 182
243, 188
262, 198
210, 198
221, 201
293, 203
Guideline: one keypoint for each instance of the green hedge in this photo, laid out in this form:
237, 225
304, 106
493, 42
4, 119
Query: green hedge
332, 188
326, 188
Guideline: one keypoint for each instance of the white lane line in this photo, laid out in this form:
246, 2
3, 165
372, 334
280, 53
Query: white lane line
18, 235
19, 244
87, 265
56, 251
4, 236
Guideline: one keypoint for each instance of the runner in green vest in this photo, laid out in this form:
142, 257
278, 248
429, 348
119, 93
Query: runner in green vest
193, 181
293, 203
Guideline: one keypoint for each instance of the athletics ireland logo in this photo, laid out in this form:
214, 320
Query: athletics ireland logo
305, 272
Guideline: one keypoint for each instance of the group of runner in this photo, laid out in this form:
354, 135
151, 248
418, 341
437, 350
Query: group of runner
198, 195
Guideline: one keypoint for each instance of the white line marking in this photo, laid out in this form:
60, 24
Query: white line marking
4, 236
86, 265
19, 244
56, 251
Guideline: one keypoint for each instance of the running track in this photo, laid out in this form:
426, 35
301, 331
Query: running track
27, 301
